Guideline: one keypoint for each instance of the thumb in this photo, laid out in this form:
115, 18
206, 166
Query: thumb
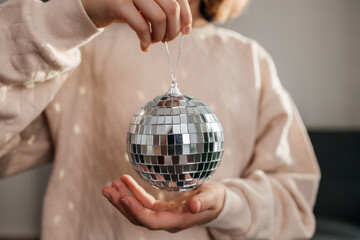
205, 199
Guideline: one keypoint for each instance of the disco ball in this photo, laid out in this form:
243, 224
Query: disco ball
175, 142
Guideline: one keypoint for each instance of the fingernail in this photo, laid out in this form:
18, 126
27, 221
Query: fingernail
187, 29
144, 46
106, 195
125, 202
198, 205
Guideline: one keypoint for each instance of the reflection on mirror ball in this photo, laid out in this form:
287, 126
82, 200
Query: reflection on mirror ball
175, 142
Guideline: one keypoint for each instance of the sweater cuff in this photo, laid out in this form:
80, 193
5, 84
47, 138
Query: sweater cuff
64, 24
235, 214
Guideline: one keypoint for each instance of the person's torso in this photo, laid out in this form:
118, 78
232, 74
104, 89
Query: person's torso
90, 116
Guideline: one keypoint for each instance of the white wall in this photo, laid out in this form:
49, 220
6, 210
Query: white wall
316, 46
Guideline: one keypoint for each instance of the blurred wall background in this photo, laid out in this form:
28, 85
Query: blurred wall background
316, 47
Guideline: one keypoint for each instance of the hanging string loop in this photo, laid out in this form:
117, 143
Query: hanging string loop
174, 90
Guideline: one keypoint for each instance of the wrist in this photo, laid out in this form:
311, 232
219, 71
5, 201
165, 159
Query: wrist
97, 16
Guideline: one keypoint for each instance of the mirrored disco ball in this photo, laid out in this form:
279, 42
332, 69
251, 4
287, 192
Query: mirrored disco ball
175, 142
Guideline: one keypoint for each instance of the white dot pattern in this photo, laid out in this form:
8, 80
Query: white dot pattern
76, 129
61, 173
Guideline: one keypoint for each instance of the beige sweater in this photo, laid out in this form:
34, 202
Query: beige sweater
79, 119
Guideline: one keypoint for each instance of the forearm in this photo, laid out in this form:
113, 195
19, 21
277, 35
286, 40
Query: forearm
268, 206
41, 40
32, 147
38, 49
276, 192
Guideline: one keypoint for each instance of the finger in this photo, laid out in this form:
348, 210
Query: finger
137, 22
185, 16
206, 199
173, 24
154, 14
140, 194
114, 198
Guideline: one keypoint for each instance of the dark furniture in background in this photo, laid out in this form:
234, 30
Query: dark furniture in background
337, 208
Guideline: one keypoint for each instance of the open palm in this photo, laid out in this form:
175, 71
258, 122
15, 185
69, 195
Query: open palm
191, 208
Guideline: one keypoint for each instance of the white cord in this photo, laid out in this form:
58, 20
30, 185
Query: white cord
174, 89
